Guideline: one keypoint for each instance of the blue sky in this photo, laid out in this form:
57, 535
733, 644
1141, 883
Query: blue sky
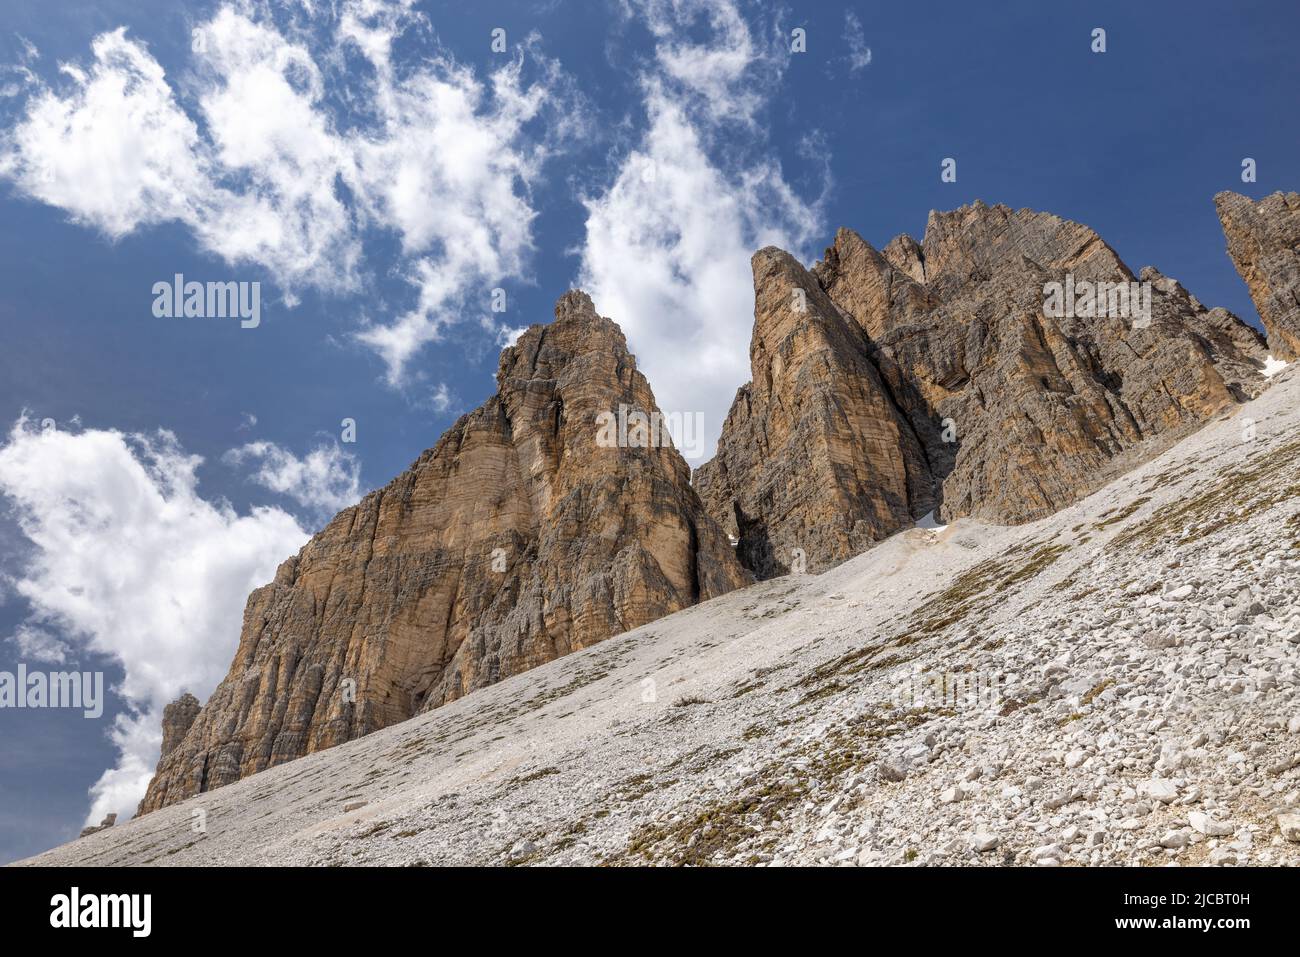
380, 170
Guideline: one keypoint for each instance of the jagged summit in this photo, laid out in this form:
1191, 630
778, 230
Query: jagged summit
1264, 243
815, 459
991, 402
516, 539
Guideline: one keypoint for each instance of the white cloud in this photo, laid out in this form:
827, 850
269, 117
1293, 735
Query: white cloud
442, 398
859, 57
15, 77
725, 77
509, 335
261, 102
450, 174
138, 738
668, 244
129, 561
116, 151
326, 480
289, 158
37, 644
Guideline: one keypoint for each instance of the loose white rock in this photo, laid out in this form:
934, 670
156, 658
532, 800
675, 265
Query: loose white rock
1289, 826
1158, 789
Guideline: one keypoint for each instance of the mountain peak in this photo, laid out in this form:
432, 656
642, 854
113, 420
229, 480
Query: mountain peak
939, 373
521, 536
1264, 243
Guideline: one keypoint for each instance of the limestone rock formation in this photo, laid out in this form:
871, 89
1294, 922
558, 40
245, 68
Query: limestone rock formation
1022, 396
1264, 243
521, 536
177, 719
108, 821
815, 461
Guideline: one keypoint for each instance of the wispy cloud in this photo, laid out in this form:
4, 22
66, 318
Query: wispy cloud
323, 481
859, 56
37, 644
442, 398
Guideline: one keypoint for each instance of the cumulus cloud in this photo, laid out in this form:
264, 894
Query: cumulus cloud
116, 150
129, 561
261, 101
668, 243
324, 481
286, 157
450, 175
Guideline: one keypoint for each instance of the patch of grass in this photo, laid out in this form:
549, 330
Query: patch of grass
534, 776
977, 589
1165, 479
696, 840
822, 691
1122, 514
1238, 492
1095, 690
1015, 704
721, 829
638, 786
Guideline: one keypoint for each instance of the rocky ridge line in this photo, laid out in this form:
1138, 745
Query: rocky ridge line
933, 375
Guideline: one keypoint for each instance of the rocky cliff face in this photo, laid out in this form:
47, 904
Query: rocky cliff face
816, 461
178, 718
1264, 243
986, 389
521, 536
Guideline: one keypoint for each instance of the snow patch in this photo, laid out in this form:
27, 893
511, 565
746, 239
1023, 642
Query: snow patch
928, 521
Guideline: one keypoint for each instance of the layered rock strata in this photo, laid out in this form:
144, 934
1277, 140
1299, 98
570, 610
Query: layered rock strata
1264, 243
1003, 367
533, 528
